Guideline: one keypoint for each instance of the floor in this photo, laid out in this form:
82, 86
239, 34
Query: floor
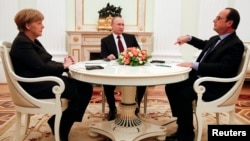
246, 88
156, 90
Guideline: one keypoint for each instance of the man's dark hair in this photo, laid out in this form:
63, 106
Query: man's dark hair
234, 16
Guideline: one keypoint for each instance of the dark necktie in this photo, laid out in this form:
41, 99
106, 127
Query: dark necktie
120, 44
212, 46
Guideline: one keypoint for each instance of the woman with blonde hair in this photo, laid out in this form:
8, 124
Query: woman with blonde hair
30, 59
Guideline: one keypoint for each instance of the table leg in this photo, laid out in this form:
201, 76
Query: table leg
127, 126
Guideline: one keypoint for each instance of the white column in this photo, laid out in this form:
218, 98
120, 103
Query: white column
243, 30
207, 15
54, 35
8, 28
167, 23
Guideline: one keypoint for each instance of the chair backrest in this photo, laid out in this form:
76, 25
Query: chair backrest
230, 98
236, 89
19, 96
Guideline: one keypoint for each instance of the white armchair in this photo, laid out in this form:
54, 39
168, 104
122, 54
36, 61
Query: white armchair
25, 103
227, 102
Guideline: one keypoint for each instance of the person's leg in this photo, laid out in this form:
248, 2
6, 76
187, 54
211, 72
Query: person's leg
79, 93
174, 94
185, 115
140, 91
51, 122
109, 93
66, 123
81, 99
172, 91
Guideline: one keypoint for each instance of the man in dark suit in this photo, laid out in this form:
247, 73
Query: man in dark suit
220, 57
110, 50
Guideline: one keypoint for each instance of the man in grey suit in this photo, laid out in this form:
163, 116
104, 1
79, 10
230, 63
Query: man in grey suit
220, 57
110, 51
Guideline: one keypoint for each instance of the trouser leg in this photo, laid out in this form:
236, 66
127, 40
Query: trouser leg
140, 91
109, 93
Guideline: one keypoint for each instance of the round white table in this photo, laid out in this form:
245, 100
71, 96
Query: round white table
127, 126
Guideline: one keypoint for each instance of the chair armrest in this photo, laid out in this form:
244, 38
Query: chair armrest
200, 89
57, 89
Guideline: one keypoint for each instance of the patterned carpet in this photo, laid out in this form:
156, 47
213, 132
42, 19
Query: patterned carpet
158, 112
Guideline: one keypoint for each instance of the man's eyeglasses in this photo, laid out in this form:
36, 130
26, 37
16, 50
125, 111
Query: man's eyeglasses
219, 18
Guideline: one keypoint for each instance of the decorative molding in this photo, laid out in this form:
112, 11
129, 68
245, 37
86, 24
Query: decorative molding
81, 26
82, 43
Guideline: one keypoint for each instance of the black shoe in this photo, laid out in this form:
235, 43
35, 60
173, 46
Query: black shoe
112, 114
63, 139
137, 111
172, 137
186, 137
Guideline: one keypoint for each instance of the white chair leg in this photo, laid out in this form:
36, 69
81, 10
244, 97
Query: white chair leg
103, 102
199, 125
145, 102
57, 125
18, 126
26, 122
217, 116
231, 117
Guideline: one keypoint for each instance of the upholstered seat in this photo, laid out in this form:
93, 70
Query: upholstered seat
25, 103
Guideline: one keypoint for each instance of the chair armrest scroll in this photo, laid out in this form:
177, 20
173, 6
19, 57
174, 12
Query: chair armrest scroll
200, 89
57, 89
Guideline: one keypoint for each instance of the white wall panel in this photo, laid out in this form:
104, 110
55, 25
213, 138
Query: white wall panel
167, 21
54, 32
209, 9
8, 28
244, 10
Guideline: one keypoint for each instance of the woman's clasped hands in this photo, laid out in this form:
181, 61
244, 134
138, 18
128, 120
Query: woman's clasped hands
69, 60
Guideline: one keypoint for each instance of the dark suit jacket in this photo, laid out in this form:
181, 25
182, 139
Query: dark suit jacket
223, 61
30, 59
108, 45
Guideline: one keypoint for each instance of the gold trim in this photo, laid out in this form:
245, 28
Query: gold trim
105, 23
78, 27
75, 39
139, 24
143, 39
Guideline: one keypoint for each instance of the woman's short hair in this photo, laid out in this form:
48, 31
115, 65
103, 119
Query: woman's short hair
26, 16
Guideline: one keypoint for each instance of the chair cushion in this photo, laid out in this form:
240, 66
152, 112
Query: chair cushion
63, 100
